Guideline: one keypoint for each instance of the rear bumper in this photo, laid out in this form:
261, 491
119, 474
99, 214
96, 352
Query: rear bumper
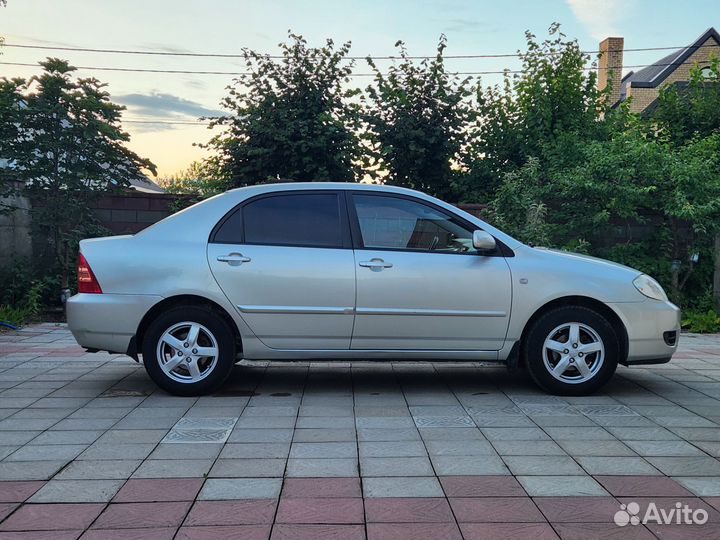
649, 326
107, 321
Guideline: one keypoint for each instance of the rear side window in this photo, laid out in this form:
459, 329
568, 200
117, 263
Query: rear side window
298, 219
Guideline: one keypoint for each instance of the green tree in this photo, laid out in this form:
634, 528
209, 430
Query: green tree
63, 146
546, 110
291, 119
417, 116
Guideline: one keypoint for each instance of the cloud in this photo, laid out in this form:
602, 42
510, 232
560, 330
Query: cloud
469, 25
600, 17
157, 104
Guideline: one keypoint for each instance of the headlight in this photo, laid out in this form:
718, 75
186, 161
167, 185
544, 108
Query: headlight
649, 287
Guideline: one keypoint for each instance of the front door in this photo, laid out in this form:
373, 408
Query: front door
285, 262
420, 283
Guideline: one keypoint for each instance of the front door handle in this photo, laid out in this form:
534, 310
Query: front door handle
234, 259
375, 264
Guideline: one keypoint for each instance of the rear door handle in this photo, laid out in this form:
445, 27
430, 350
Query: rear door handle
234, 259
375, 264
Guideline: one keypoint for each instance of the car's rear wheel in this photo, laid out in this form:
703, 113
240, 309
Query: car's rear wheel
189, 350
571, 350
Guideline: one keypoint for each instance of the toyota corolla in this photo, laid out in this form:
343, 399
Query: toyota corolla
351, 271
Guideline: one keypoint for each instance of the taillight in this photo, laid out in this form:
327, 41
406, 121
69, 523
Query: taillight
87, 282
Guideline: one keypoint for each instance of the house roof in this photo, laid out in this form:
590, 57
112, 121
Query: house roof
652, 75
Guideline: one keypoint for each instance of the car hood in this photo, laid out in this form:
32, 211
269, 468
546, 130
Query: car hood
589, 259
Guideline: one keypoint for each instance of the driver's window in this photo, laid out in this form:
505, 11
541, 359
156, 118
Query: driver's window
395, 223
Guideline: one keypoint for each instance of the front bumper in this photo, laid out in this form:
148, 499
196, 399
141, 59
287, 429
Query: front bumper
649, 324
107, 321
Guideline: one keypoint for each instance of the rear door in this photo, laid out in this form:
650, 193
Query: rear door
285, 261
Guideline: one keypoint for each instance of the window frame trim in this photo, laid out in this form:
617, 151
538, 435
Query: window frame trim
345, 234
501, 249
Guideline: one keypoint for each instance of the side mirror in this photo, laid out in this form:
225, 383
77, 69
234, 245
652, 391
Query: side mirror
483, 241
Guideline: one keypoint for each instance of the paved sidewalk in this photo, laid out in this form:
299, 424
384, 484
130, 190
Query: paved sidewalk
91, 449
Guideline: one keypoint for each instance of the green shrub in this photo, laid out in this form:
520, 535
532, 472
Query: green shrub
702, 322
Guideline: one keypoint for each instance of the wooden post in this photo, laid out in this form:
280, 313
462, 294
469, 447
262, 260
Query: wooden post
716, 275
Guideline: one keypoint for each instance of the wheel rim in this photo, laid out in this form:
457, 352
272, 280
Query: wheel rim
573, 353
187, 352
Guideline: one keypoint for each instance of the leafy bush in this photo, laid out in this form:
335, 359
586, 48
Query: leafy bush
703, 322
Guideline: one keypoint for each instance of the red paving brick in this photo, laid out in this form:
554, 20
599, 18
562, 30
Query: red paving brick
166, 533
497, 510
507, 531
225, 532
247, 512
413, 531
18, 491
40, 535
642, 486
52, 517
319, 532
321, 511
668, 503
402, 510
6, 509
601, 531
713, 501
159, 490
134, 515
481, 486
322, 487
578, 509
709, 531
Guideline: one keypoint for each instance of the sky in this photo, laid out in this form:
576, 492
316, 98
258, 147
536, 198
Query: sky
155, 101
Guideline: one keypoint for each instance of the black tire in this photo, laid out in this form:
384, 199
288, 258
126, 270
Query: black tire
534, 353
214, 327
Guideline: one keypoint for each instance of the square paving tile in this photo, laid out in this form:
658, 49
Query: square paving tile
296, 531
173, 468
413, 531
496, 509
77, 491
396, 466
543, 465
241, 488
322, 487
11, 492
221, 513
154, 533
481, 486
642, 486
224, 532
408, 510
140, 515
316, 468
468, 465
159, 490
540, 486
402, 487
617, 465
248, 468
577, 509
687, 466
52, 517
508, 531
320, 511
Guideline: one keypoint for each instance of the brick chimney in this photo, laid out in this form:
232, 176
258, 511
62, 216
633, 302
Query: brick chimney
610, 66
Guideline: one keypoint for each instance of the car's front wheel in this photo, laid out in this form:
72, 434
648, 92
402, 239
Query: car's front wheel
189, 350
571, 350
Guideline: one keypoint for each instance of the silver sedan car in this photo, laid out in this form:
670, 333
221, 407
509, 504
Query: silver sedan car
352, 271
